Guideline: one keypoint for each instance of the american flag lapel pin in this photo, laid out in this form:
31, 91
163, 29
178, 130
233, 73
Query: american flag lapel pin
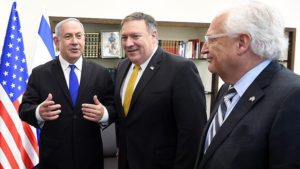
252, 98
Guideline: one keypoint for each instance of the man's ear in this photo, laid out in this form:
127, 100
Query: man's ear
154, 37
244, 43
56, 40
154, 34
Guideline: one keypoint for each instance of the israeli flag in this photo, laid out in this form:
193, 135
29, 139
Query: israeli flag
45, 49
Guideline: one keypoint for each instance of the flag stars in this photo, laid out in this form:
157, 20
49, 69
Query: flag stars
4, 83
12, 85
5, 73
12, 36
13, 61
7, 64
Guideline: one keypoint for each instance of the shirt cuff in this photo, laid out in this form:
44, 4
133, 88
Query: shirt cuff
105, 118
39, 119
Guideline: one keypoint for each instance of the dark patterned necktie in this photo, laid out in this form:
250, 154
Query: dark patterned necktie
219, 116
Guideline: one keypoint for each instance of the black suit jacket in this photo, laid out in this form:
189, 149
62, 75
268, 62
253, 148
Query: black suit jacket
69, 141
263, 129
166, 116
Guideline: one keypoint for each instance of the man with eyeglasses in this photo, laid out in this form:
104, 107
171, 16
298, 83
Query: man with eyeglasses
255, 123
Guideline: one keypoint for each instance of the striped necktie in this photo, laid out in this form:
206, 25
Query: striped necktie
219, 116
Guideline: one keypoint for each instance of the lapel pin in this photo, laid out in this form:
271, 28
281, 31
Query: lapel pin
252, 98
152, 67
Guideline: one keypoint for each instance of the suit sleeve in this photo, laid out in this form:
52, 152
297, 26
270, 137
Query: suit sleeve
190, 111
30, 101
108, 97
285, 133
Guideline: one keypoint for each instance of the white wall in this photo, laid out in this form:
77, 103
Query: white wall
163, 10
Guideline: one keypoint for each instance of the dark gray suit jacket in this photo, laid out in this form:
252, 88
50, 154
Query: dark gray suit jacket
69, 141
260, 133
166, 117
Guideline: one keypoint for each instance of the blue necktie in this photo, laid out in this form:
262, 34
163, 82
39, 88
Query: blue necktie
73, 84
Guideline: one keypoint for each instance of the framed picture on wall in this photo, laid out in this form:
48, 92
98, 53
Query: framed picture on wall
111, 44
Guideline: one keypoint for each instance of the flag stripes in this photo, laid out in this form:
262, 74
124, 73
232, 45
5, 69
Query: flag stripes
18, 144
8, 153
24, 149
46, 36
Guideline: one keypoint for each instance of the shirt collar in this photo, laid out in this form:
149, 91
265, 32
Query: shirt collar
65, 64
144, 65
242, 85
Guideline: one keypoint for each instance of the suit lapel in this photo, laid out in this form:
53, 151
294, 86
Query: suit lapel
240, 110
121, 74
150, 70
86, 73
251, 96
60, 78
148, 73
211, 117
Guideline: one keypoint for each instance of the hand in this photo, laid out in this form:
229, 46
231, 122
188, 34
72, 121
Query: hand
48, 109
93, 112
117, 153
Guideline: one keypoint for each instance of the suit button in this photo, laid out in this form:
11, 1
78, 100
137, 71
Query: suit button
74, 116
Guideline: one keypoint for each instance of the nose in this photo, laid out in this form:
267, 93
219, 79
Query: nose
128, 42
204, 49
74, 40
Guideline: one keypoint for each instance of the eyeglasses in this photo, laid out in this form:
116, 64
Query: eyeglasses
212, 38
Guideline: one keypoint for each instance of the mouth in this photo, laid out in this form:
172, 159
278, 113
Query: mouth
74, 50
131, 50
209, 59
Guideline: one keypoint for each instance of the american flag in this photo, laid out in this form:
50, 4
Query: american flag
18, 143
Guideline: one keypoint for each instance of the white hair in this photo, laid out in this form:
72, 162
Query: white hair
263, 24
58, 25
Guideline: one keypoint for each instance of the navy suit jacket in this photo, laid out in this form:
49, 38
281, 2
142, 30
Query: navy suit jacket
166, 117
69, 141
263, 129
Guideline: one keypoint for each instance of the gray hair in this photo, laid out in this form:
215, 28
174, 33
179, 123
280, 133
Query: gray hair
59, 24
263, 24
149, 20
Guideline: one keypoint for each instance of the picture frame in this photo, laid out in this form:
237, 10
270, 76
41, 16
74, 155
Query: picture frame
111, 44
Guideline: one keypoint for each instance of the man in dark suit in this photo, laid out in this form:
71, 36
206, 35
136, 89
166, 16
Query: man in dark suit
160, 126
70, 127
258, 126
